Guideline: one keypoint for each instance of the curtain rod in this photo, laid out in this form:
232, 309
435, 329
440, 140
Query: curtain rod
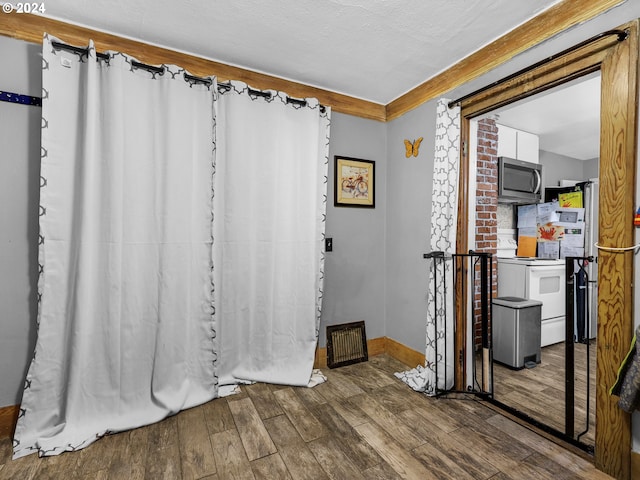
134, 63
225, 87
622, 35
222, 87
77, 50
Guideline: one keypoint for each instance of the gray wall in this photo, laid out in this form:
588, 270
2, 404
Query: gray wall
591, 168
614, 18
19, 180
375, 272
560, 167
354, 271
354, 283
409, 184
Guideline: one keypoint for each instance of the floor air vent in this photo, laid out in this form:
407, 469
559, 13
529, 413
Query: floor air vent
346, 344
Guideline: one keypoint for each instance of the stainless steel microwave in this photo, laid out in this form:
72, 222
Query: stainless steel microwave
519, 181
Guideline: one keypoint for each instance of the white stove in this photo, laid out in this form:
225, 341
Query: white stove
531, 261
537, 279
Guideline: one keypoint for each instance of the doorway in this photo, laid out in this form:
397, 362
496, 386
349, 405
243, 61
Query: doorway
615, 56
559, 130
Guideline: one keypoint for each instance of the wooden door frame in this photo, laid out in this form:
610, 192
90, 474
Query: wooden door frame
617, 62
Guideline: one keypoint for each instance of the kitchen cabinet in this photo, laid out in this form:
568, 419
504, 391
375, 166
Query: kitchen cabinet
514, 143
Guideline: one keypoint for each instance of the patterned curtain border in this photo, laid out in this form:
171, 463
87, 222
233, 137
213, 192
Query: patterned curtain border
435, 375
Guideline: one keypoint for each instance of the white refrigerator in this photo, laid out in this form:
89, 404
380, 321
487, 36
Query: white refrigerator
590, 197
590, 250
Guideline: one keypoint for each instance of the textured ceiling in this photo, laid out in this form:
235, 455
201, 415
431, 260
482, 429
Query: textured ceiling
566, 118
376, 50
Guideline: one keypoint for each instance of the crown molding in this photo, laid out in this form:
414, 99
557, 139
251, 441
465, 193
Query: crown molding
31, 28
552, 21
566, 14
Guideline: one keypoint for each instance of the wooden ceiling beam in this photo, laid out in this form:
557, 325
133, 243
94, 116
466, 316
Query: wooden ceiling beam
565, 14
31, 28
556, 19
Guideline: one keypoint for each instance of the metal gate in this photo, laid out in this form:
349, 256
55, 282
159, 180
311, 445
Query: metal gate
466, 280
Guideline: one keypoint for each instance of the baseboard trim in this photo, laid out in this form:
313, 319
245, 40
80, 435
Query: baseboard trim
402, 353
375, 346
8, 419
378, 346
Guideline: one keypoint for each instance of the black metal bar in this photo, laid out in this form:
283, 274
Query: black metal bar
148, 68
21, 99
475, 384
84, 51
542, 426
194, 79
543, 88
622, 35
297, 101
77, 50
222, 87
486, 276
575, 266
259, 93
434, 265
438, 266
461, 264
444, 325
490, 326
474, 370
484, 304
569, 380
226, 87
582, 263
484, 315
478, 384
433, 254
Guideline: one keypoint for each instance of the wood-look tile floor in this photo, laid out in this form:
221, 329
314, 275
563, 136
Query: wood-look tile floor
539, 392
361, 424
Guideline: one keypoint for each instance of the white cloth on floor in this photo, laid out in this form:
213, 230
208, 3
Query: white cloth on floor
316, 378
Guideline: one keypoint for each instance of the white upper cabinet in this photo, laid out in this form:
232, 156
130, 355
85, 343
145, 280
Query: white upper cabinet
507, 142
517, 144
528, 147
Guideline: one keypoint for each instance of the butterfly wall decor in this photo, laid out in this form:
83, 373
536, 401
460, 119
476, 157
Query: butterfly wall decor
412, 147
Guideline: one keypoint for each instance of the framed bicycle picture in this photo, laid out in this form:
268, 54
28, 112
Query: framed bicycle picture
354, 182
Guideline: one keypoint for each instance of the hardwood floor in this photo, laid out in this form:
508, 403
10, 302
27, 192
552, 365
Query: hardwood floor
361, 424
539, 392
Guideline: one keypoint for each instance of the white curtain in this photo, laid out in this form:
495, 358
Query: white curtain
125, 325
270, 184
438, 372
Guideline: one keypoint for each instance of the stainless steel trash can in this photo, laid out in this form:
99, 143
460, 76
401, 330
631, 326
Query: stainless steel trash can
516, 331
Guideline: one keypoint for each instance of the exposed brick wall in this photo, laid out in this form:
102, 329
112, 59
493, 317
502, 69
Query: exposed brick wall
486, 210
